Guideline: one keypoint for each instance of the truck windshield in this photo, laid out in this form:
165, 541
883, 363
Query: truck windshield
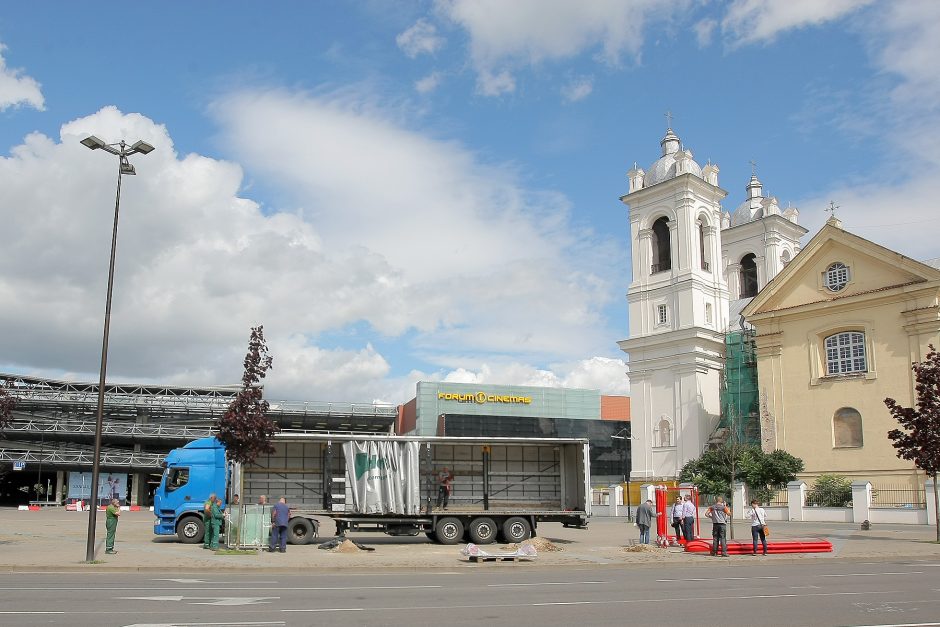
176, 478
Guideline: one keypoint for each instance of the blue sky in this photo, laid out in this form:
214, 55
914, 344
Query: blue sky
405, 191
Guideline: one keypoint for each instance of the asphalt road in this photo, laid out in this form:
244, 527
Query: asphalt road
730, 592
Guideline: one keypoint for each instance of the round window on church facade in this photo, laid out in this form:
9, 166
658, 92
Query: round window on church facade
837, 276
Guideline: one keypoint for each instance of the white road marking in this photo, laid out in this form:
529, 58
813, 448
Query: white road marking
872, 574
31, 612
215, 582
713, 579
337, 609
279, 622
206, 600
413, 608
545, 583
901, 625
229, 588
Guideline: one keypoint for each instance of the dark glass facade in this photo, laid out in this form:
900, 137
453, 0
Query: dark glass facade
609, 456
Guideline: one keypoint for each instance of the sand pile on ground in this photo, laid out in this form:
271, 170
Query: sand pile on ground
640, 548
346, 546
541, 545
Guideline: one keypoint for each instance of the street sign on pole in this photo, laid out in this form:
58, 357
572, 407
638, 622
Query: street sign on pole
20, 465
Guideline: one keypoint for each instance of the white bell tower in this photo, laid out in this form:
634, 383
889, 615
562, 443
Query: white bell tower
678, 305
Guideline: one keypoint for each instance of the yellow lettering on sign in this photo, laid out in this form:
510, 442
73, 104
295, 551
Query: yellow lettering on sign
481, 398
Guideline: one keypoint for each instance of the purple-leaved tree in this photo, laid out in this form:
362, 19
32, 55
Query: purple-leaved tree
245, 428
918, 439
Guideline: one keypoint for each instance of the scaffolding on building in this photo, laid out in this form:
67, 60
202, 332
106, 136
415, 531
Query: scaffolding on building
740, 402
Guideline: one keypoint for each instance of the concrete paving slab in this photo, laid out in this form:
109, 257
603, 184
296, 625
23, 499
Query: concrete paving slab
54, 539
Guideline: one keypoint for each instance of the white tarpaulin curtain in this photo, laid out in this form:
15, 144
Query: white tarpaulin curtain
383, 477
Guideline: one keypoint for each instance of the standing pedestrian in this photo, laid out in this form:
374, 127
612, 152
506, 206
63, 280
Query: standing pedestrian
215, 523
207, 520
645, 516
689, 515
280, 514
677, 517
445, 479
112, 512
719, 513
262, 500
758, 516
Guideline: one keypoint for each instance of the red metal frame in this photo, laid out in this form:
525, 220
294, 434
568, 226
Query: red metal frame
663, 502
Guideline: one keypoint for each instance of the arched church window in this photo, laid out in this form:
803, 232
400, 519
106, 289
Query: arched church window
701, 245
748, 276
662, 251
847, 428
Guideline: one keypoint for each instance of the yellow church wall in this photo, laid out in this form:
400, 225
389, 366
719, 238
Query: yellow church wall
799, 400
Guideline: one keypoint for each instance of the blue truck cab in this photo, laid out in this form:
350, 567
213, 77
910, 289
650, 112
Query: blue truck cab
190, 474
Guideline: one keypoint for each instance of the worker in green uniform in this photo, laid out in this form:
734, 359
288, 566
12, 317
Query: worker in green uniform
111, 521
207, 519
215, 511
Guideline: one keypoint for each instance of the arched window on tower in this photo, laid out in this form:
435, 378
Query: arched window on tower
662, 251
748, 276
701, 245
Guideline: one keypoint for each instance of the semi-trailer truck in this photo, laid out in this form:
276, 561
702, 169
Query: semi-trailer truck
502, 488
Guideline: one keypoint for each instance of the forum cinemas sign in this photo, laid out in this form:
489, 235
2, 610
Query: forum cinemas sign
480, 398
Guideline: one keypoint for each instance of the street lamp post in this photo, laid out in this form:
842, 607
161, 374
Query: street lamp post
622, 436
122, 151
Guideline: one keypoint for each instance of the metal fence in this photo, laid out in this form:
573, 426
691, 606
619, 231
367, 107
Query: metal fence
901, 497
778, 498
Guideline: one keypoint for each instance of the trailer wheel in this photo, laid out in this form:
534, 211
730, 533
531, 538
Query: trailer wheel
516, 529
449, 530
191, 530
482, 530
300, 531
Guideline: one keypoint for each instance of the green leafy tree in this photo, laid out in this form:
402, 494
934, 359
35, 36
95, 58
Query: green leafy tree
711, 473
831, 491
7, 404
765, 472
918, 439
245, 428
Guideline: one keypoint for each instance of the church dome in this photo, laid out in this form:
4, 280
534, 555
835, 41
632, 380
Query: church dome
666, 167
747, 212
752, 208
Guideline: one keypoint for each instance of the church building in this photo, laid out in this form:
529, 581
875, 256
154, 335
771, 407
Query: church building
695, 267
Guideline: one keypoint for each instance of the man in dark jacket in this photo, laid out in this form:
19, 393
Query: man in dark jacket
645, 516
280, 515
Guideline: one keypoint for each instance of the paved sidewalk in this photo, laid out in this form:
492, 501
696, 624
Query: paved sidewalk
54, 539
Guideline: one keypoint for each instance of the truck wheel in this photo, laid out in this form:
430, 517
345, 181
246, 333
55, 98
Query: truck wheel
191, 530
516, 529
482, 530
300, 531
449, 530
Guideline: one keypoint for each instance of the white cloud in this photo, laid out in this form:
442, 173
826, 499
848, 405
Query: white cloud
17, 89
578, 89
514, 34
429, 83
750, 21
597, 373
421, 38
409, 239
490, 84
905, 42
704, 29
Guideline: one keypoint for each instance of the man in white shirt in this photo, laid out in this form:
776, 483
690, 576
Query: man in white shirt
758, 520
688, 517
676, 514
